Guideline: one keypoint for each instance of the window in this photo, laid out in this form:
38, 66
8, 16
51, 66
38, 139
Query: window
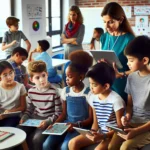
5, 11
54, 21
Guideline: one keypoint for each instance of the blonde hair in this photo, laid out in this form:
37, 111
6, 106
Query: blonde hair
36, 67
78, 12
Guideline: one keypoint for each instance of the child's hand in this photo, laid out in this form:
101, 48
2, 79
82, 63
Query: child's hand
21, 121
7, 111
34, 51
96, 137
13, 42
50, 126
1, 117
131, 133
125, 120
42, 125
71, 125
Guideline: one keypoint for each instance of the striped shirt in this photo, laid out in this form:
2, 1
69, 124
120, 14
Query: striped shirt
46, 104
105, 109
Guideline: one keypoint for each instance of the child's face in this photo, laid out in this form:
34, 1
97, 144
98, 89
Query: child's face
134, 63
111, 25
73, 16
96, 34
95, 87
7, 76
38, 49
40, 79
72, 78
19, 59
14, 27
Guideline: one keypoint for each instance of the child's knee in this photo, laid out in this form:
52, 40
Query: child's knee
126, 146
72, 143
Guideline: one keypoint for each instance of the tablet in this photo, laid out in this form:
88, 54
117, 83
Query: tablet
116, 129
32, 123
108, 55
83, 131
57, 129
11, 114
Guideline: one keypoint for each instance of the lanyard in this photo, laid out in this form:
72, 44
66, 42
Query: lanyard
113, 44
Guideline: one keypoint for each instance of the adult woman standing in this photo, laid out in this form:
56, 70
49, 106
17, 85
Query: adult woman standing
74, 31
118, 35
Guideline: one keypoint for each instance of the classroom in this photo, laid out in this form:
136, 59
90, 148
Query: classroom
75, 74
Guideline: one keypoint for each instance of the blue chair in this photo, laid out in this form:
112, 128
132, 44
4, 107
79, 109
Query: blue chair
59, 56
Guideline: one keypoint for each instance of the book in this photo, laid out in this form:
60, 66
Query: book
5, 135
11, 114
83, 131
32, 123
57, 129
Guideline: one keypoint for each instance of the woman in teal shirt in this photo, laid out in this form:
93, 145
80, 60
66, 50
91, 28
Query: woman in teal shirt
117, 37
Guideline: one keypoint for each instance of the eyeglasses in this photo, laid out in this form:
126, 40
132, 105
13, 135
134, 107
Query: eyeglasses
6, 75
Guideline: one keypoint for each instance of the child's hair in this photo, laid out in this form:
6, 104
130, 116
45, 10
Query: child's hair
80, 61
139, 47
100, 31
4, 65
44, 44
12, 21
78, 12
21, 51
36, 67
102, 73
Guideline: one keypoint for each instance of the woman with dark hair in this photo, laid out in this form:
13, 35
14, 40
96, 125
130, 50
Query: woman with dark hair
118, 34
74, 31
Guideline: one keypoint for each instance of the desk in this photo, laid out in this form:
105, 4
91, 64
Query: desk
18, 138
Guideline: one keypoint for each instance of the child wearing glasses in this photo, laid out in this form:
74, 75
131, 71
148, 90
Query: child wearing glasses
12, 37
12, 95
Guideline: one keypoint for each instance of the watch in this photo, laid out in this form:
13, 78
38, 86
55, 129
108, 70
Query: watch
79, 124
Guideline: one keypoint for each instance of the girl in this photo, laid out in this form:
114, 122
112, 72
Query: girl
12, 95
118, 34
95, 42
108, 107
76, 111
74, 31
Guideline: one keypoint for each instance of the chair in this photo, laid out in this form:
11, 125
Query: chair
59, 56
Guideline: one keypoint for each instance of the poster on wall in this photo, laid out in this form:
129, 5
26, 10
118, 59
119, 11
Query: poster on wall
127, 10
141, 10
35, 26
34, 11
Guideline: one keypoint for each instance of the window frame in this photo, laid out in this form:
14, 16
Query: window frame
50, 32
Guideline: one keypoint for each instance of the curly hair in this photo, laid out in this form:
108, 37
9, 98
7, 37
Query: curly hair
36, 67
80, 61
78, 12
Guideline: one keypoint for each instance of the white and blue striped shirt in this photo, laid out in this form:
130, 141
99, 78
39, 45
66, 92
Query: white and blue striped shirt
105, 109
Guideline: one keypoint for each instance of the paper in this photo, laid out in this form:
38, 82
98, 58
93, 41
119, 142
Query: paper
127, 10
32, 123
57, 129
141, 10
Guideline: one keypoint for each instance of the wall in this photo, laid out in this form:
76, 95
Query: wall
101, 3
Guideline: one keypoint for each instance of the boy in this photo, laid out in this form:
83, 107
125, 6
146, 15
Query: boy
138, 90
12, 38
19, 54
42, 47
43, 102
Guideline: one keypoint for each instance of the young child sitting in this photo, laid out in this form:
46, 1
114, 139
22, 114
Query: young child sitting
76, 111
42, 47
12, 95
12, 38
19, 54
43, 102
95, 41
138, 105
108, 107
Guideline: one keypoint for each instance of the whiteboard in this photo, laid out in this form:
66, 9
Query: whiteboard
92, 19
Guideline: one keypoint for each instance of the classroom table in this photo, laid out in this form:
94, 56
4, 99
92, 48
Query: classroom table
17, 139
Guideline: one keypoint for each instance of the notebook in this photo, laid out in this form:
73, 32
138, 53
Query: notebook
32, 123
5, 135
57, 129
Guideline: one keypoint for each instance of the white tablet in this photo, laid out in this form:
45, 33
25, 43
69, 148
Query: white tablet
83, 131
108, 55
116, 129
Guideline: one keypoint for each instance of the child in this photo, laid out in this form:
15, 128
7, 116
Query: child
42, 47
95, 42
12, 38
76, 110
43, 102
108, 107
19, 54
138, 90
12, 95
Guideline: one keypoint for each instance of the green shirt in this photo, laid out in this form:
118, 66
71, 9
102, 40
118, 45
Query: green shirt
118, 44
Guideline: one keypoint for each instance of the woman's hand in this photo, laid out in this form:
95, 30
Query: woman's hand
42, 125
131, 133
96, 137
118, 74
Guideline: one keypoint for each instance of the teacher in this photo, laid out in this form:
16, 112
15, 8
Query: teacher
118, 34
74, 30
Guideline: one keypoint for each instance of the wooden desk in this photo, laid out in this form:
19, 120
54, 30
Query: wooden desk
17, 139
